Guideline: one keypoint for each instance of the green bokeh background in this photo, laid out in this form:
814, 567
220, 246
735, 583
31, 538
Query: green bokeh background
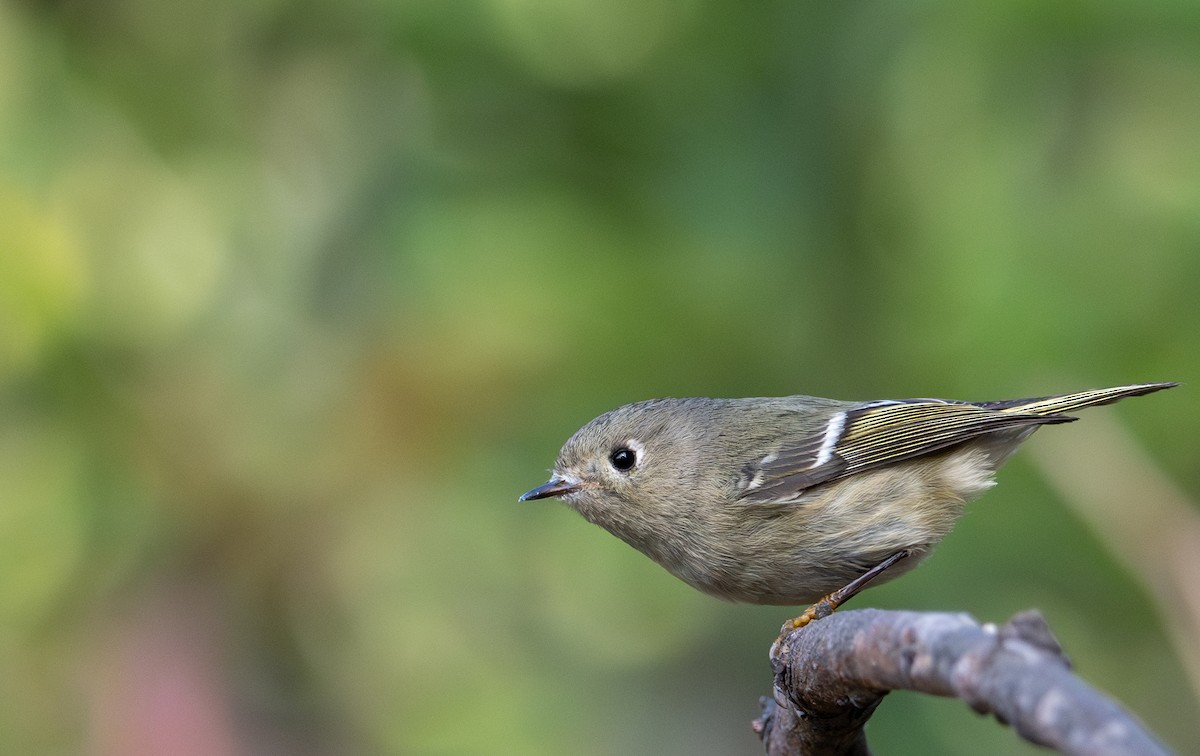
296, 298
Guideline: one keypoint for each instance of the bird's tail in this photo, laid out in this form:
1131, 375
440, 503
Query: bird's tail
1063, 403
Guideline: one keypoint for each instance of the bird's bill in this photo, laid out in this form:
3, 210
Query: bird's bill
553, 487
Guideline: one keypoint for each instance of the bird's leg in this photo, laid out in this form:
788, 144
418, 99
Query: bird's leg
825, 606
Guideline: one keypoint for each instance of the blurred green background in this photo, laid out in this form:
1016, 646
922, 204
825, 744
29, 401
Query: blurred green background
296, 298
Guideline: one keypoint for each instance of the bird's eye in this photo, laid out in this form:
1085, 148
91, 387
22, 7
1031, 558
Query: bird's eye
623, 459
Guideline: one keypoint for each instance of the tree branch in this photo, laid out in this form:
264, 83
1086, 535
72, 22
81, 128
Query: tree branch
831, 674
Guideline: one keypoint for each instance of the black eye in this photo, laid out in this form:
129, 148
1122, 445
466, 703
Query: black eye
623, 459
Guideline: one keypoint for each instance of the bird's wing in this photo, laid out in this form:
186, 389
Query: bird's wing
871, 435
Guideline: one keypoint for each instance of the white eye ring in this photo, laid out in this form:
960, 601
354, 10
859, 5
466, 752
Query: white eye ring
627, 456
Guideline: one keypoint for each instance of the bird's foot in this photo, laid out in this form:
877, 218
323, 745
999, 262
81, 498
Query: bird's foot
828, 604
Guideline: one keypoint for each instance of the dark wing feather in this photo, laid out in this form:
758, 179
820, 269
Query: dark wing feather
872, 435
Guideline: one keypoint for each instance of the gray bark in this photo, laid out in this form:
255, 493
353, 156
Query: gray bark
831, 674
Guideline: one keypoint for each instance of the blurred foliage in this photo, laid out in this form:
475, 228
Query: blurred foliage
296, 298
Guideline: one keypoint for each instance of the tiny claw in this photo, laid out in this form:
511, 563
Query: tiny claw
819, 610
822, 608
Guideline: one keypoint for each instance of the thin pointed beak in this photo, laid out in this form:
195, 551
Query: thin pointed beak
555, 487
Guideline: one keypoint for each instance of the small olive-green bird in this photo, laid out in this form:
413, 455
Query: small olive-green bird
796, 499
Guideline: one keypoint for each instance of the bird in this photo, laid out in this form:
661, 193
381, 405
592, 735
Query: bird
795, 500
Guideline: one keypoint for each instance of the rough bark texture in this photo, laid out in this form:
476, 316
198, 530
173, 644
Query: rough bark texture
831, 674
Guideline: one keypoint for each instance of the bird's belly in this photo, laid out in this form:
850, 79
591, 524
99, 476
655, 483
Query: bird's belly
797, 553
